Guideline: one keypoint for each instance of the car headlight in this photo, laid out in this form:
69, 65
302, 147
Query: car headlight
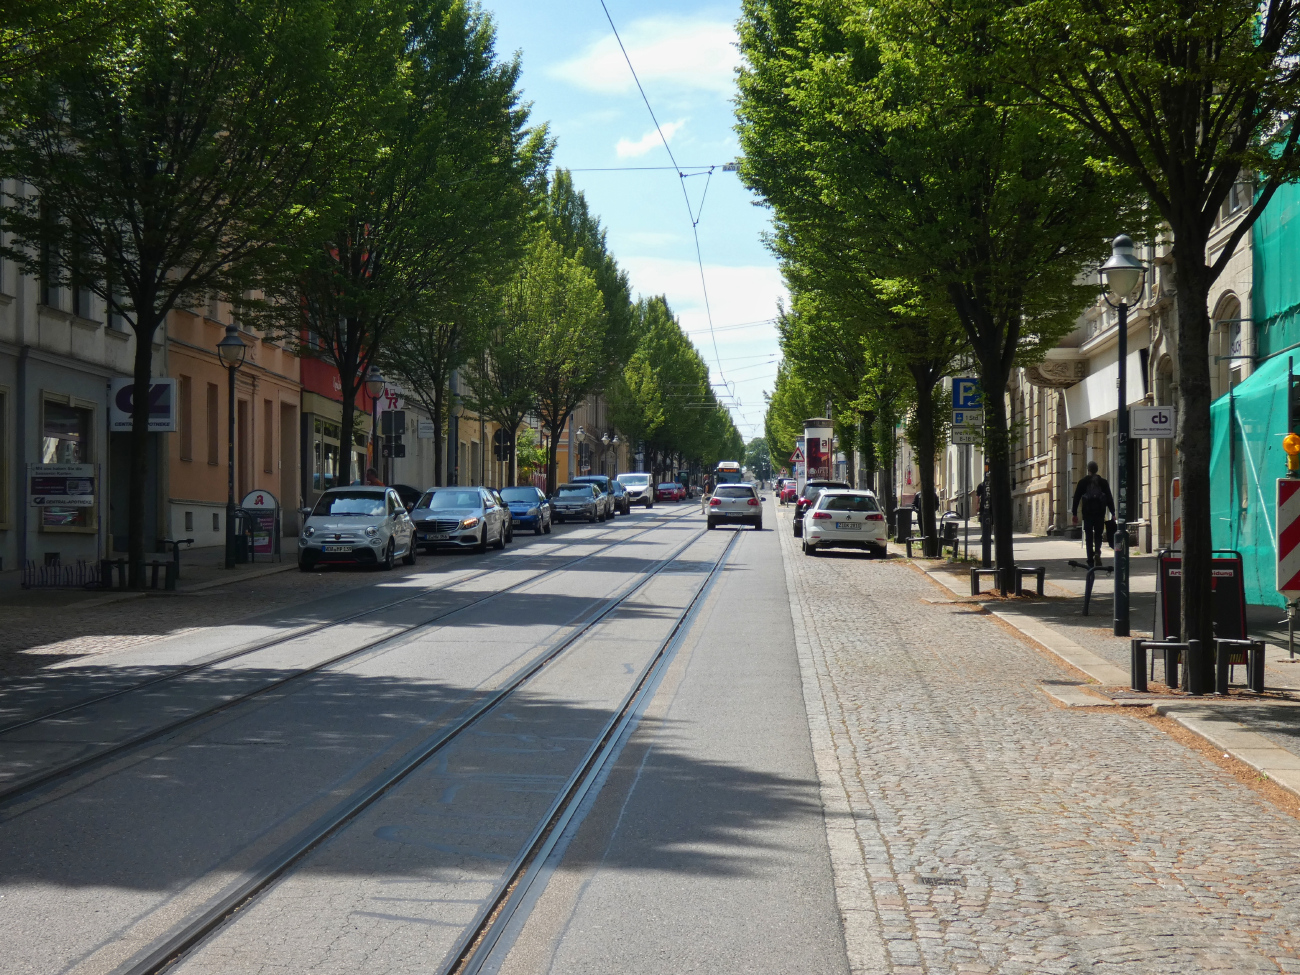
308, 531
372, 531
533, 511
469, 523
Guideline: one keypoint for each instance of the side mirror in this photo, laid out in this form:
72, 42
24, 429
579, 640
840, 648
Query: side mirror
762, 499
304, 513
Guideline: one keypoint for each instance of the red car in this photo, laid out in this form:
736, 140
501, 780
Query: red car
670, 491
789, 491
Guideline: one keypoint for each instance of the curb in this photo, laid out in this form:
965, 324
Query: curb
251, 574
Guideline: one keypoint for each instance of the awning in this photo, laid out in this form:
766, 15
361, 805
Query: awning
1097, 397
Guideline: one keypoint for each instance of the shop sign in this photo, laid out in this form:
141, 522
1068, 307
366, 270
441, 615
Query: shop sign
263, 509
61, 485
162, 405
1151, 422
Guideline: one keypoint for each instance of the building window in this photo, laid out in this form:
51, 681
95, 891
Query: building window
47, 278
189, 521
268, 436
214, 423
216, 522
65, 439
326, 447
185, 419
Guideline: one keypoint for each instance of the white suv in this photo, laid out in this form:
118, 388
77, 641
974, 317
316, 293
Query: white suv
737, 504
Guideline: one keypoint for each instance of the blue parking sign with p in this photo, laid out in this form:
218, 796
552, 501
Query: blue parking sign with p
966, 393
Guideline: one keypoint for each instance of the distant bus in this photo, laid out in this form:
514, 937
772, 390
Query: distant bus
727, 472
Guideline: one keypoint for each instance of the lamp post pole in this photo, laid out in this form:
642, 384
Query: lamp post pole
375, 387
1123, 272
231, 351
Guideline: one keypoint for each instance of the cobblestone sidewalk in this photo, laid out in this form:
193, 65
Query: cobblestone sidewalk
977, 827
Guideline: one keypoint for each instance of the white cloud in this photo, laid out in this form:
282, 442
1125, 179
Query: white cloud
667, 52
627, 149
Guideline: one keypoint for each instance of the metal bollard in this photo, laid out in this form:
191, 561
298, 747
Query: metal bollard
1255, 666
1171, 665
1137, 662
1222, 666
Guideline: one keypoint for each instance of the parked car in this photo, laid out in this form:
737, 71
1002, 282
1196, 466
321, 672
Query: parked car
670, 491
789, 490
845, 519
572, 502
529, 508
737, 504
806, 498
356, 525
638, 487
460, 517
510, 522
617, 493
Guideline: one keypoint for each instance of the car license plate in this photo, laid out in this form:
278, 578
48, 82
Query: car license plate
336, 549
516, 522
847, 526
434, 537
733, 514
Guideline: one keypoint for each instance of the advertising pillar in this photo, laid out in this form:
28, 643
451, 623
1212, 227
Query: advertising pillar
818, 448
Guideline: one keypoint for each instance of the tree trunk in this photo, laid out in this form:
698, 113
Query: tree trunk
140, 473
1193, 441
922, 377
998, 487
552, 451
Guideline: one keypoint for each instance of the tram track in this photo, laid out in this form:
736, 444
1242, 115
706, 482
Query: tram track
482, 933
17, 790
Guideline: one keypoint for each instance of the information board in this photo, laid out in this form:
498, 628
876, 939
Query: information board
1228, 585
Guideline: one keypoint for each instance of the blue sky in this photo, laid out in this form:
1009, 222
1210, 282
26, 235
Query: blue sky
578, 82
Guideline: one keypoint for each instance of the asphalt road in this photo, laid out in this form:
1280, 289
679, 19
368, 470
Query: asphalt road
711, 849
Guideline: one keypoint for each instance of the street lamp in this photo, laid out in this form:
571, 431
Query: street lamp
231, 350
1123, 273
374, 386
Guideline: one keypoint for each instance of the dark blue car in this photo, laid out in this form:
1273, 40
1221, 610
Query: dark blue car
528, 509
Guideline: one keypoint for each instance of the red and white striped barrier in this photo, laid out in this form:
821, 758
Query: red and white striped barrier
1288, 537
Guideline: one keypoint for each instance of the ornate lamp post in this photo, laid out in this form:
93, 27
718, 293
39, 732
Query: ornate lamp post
1123, 273
231, 350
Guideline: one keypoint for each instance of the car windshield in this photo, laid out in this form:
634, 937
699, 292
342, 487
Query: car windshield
517, 494
450, 499
361, 504
634, 480
733, 491
668, 486
575, 490
849, 502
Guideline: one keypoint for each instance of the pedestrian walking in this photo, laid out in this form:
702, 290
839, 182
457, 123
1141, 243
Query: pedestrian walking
1092, 495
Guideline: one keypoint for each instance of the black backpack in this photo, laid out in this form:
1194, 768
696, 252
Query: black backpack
1094, 496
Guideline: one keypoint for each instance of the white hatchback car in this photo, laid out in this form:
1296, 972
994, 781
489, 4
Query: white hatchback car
845, 519
737, 504
358, 525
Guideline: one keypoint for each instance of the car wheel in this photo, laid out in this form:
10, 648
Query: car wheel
758, 524
510, 533
809, 549
592, 518
540, 529
481, 547
649, 505
712, 524
411, 551
388, 561
500, 543
548, 528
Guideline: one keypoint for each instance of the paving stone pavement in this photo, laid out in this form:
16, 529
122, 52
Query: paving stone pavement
977, 827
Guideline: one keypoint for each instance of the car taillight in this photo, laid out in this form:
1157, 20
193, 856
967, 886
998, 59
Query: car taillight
821, 515
714, 502
876, 517
753, 501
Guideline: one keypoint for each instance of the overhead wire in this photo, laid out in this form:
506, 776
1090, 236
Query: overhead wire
681, 174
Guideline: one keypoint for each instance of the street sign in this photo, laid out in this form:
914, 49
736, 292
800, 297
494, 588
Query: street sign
424, 429
162, 405
966, 435
1288, 537
968, 418
1151, 422
966, 393
61, 485
797, 456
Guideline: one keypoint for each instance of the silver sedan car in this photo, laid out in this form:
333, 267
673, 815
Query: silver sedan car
356, 525
461, 517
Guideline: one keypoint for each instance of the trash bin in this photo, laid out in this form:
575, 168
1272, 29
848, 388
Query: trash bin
243, 536
902, 523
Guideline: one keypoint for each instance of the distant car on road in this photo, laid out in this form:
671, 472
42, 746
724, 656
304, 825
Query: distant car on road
671, 491
845, 519
735, 504
787, 490
528, 508
638, 487
809, 495
572, 502
461, 517
357, 525
616, 492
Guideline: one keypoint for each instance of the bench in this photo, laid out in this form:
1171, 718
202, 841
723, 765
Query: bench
153, 567
1229, 653
975, 574
1039, 573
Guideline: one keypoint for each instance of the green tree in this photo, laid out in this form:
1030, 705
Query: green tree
172, 163
1190, 97
566, 331
868, 123
757, 457
437, 205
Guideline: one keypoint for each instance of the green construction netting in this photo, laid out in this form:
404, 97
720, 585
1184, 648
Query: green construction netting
1246, 459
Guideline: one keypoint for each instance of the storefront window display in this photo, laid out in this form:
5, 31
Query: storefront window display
66, 440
